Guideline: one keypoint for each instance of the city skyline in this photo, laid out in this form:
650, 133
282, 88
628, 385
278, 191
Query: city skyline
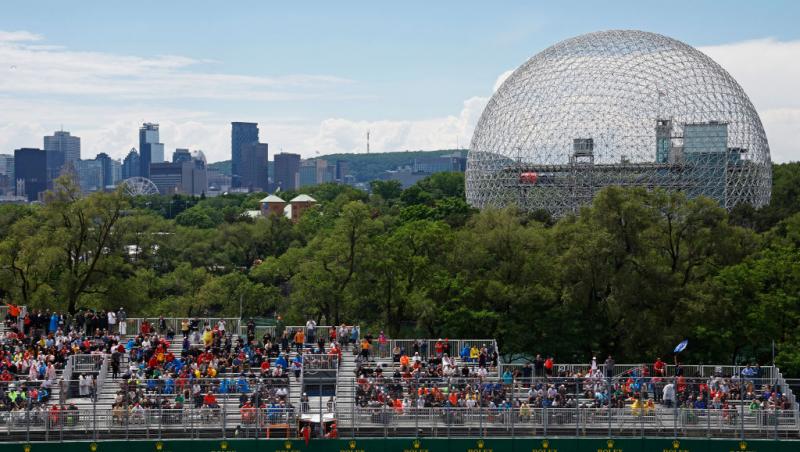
415, 81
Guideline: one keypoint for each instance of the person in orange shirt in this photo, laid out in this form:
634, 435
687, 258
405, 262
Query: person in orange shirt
404, 360
398, 406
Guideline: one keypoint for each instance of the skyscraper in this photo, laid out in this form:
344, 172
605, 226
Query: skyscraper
181, 155
107, 167
150, 149
241, 133
182, 176
65, 143
287, 171
131, 165
30, 170
55, 162
7, 181
254, 166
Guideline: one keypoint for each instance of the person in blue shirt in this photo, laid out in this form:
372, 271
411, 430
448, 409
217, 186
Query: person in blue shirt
244, 387
281, 361
53, 323
169, 386
464, 353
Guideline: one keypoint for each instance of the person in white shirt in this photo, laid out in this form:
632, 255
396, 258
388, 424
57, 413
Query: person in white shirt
112, 321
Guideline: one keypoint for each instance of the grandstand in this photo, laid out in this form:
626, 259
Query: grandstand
213, 378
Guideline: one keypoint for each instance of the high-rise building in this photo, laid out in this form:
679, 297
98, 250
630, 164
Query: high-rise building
107, 167
64, 143
131, 166
7, 181
307, 173
287, 171
342, 170
181, 155
55, 162
187, 177
30, 171
241, 133
116, 172
90, 175
150, 149
253, 169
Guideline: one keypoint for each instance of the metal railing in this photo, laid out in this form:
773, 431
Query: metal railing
134, 324
226, 420
312, 361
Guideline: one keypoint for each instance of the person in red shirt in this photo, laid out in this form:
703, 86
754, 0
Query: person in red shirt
659, 368
210, 400
548, 366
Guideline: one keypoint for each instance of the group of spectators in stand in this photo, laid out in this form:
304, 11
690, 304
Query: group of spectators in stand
425, 377
35, 347
213, 368
644, 389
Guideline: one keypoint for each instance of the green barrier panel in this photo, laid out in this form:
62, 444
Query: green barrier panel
418, 445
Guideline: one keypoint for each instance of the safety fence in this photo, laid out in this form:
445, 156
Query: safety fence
133, 325
226, 421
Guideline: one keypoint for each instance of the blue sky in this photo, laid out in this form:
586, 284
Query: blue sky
318, 74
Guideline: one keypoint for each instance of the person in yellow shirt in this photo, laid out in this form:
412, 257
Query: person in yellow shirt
474, 353
208, 337
636, 407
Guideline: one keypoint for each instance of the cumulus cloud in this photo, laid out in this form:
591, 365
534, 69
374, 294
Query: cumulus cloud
18, 36
768, 70
104, 97
53, 70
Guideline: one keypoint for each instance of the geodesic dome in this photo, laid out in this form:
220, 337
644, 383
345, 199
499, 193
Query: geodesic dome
617, 108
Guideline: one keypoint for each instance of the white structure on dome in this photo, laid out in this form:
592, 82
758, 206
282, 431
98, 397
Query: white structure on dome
617, 108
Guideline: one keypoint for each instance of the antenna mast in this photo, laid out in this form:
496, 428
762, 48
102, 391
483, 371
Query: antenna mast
367, 141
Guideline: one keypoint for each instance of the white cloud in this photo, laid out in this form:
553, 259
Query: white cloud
502, 78
103, 98
18, 36
768, 70
52, 70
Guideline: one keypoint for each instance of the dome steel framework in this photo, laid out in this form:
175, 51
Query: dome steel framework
620, 107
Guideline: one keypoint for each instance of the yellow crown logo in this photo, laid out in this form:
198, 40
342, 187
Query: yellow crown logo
742, 445
26, 448
416, 444
545, 444
287, 445
480, 444
676, 444
223, 445
93, 447
610, 443
159, 445
352, 444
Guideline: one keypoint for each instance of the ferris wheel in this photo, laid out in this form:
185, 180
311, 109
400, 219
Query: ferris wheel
139, 186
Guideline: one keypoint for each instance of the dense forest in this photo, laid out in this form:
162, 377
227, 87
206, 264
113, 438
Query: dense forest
631, 275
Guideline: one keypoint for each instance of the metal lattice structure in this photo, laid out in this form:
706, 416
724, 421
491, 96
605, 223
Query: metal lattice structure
620, 107
139, 186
